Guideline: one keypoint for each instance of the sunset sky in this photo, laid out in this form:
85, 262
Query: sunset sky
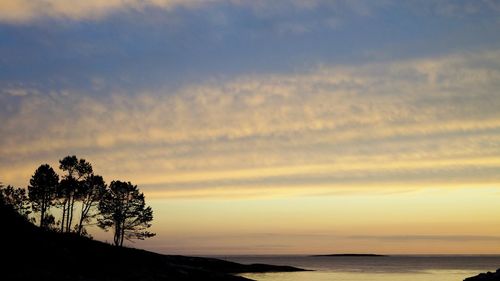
268, 126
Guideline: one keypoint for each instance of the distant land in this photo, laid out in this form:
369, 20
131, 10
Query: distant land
30, 253
350, 255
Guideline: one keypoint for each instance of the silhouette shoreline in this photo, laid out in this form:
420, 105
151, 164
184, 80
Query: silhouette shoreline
488, 276
30, 253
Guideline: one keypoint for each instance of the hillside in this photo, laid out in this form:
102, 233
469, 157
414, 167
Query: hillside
28, 253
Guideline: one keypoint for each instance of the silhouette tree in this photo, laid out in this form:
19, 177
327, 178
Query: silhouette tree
42, 191
90, 193
17, 199
1, 193
2, 199
64, 195
77, 171
123, 207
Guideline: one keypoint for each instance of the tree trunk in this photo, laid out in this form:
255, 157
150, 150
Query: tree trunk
67, 214
80, 224
83, 215
117, 234
71, 210
122, 234
43, 219
63, 216
42, 214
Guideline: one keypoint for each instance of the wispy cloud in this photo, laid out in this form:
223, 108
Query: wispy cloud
418, 122
23, 11
27, 10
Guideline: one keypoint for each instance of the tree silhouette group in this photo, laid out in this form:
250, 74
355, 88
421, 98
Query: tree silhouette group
83, 199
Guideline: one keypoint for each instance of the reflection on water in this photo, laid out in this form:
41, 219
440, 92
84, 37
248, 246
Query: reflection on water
392, 268
434, 275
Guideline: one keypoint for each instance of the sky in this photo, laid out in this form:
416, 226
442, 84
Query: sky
268, 126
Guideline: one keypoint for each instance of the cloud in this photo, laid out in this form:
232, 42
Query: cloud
462, 8
423, 122
24, 11
27, 10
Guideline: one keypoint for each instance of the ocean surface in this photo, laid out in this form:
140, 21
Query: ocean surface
390, 268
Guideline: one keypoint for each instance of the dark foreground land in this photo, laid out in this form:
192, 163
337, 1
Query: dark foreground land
28, 253
488, 276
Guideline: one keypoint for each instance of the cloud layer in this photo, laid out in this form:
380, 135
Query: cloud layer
331, 125
24, 11
423, 122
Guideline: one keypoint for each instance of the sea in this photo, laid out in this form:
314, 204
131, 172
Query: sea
385, 268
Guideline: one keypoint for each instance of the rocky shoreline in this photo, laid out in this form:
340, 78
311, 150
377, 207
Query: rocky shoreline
488, 276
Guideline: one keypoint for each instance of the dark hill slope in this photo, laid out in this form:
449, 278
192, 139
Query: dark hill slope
28, 253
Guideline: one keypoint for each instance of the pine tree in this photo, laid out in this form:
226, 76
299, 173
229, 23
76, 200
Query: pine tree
124, 209
17, 199
77, 172
90, 193
42, 191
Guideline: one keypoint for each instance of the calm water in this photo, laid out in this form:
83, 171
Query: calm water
392, 268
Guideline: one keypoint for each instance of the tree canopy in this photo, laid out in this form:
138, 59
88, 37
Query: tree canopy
73, 188
41, 192
91, 191
124, 209
121, 206
16, 198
